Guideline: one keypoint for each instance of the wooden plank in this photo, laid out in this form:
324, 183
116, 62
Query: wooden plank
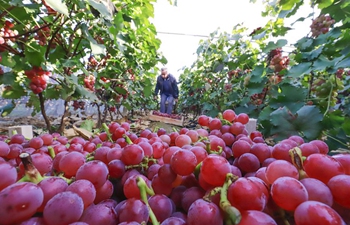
166, 119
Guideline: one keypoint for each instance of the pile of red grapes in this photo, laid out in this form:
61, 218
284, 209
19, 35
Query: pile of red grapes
321, 25
215, 174
172, 116
38, 79
278, 62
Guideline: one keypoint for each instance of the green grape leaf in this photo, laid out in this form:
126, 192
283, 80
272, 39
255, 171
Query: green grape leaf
299, 70
7, 109
306, 122
88, 125
324, 3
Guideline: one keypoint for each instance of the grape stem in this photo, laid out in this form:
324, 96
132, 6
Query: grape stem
213, 192
329, 100
106, 129
232, 214
297, 161
127, 139
144, 190
52, 152
31, 173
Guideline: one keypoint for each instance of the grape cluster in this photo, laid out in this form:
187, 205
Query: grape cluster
78, 105
38, 79
326, 90
257, 99
214, 175
89, 82
42, 35
277, 61
6, 34
238, 73
321, 25
172, 116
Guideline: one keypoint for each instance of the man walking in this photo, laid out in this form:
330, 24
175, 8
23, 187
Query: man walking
169, 92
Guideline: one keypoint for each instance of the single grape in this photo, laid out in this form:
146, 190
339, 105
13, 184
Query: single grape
246, 194
94, 171
240, 147
318, 191
204, 213
344, 160
340, 186
85, 189
19, 202
116, 168
322, 167
71, 162
64, 208
190, 195
133, 210
8, 174
183, 162
105, 192
248, 163
98, 215
132, 154
214, 169
229, 115
288, 193
280, 168
313, 212
162, 206
261, 150
173, 221
4, 149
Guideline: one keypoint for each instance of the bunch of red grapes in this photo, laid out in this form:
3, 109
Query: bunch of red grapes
213, 175
257, 99
277, 61
6, 34
78, 105
89, 82
38, 79
172, 116
321, 25
42, 35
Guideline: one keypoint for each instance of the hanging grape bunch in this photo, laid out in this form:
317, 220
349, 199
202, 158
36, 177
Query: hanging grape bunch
327, 90
277, 61
38, 79
321, 25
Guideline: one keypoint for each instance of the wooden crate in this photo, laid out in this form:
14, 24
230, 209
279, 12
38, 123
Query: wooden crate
166, 119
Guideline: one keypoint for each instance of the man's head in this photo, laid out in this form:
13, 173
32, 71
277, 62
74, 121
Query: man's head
164, 72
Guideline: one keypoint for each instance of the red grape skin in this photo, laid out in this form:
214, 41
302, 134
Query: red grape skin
19, 202
166, 174
229, 115
85, 189
214, 169
183, 162
308, 149
190, 195
204, 213
240, 147
4, 149
261, 150
322, 167
344, 160
322, 146
280, 168
281, 151
133, 210
94, 171
37, 221
246, 194
183, 139
250, 217
8, 175
64, 208
318, 191
173, 221
288, 193
340, 186
313, 212
116, 168
50, 187
162, 206
71, 162
132, 154
160, 187
130, 188
248, 163
176, 195
98, 215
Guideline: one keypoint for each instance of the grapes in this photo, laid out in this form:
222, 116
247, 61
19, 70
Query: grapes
214, 169
317, 191
280, 168
313, 212
321, 25
322, 167
246, 194
50, 187
8, 175
94, 171
162, 206
132, 154
340, 186
64, 208
204, 213
250, 217
229, 115
19, 202
85, 189
133, 210
4, 149
99, 214
183, 162
288, 193
71, 162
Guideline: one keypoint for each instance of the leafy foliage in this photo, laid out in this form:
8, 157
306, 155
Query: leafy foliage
304, 91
